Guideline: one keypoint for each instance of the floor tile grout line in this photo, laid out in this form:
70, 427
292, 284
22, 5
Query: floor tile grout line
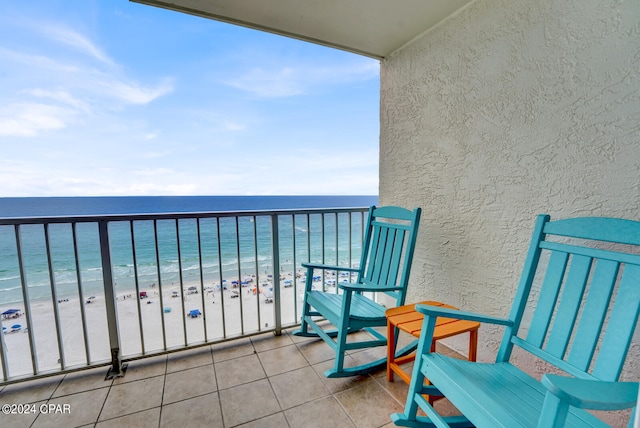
47, 399
128, 383
309, 365
277, 400
242, 383
164, 383
224, 424
346, 412
103, 404
215, 376
268, 378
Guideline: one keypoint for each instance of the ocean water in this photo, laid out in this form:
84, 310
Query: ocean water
227, 251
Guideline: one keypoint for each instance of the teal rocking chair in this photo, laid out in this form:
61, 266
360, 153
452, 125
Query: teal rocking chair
583, 318
387, 253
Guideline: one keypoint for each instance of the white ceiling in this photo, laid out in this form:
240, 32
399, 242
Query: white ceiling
375, 28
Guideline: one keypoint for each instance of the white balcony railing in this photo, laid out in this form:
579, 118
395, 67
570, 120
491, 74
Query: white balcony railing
79, 292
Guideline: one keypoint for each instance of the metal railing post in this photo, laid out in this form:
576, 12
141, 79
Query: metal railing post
275, 248
27, 302
117, 367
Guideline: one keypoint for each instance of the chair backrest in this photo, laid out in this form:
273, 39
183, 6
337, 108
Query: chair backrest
586, 310
387, 250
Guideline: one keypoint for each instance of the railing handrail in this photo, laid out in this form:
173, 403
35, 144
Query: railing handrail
89, 218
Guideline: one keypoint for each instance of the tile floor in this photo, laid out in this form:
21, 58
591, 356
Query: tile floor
262, 381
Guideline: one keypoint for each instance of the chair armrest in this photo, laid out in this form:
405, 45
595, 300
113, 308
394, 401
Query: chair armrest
364, 287
461, 315
329, 267
592, 394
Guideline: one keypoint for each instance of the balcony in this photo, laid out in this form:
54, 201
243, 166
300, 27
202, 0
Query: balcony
91, 350
263, 380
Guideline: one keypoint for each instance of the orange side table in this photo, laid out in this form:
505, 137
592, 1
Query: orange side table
407, 319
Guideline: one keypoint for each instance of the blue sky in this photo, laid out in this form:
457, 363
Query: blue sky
108, 97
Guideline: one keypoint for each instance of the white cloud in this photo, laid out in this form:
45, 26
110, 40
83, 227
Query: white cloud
268, 83
76, 40
234, 126
66, 92
134, 93
35, 62
61, 96
29, 119
151, 172
155, 154
173, 189
299, 79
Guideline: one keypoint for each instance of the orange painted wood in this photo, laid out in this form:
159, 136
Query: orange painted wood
407, 319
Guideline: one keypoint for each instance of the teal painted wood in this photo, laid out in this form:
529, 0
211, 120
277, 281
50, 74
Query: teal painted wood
606, 229
624, 317
584, 319
596, 395
385, 265
395, 261
569, 306
588, 331
524, 287
366, 239
377, 252
548, 296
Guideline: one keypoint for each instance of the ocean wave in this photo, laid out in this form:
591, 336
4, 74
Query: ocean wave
38, 285
191, 267
30, 286
207, 266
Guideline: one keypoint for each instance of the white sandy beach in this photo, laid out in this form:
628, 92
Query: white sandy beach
246, 314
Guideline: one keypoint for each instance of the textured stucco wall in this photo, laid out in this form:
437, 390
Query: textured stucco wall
508, 109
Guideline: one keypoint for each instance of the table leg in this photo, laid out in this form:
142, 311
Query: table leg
473, 345
391, 350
